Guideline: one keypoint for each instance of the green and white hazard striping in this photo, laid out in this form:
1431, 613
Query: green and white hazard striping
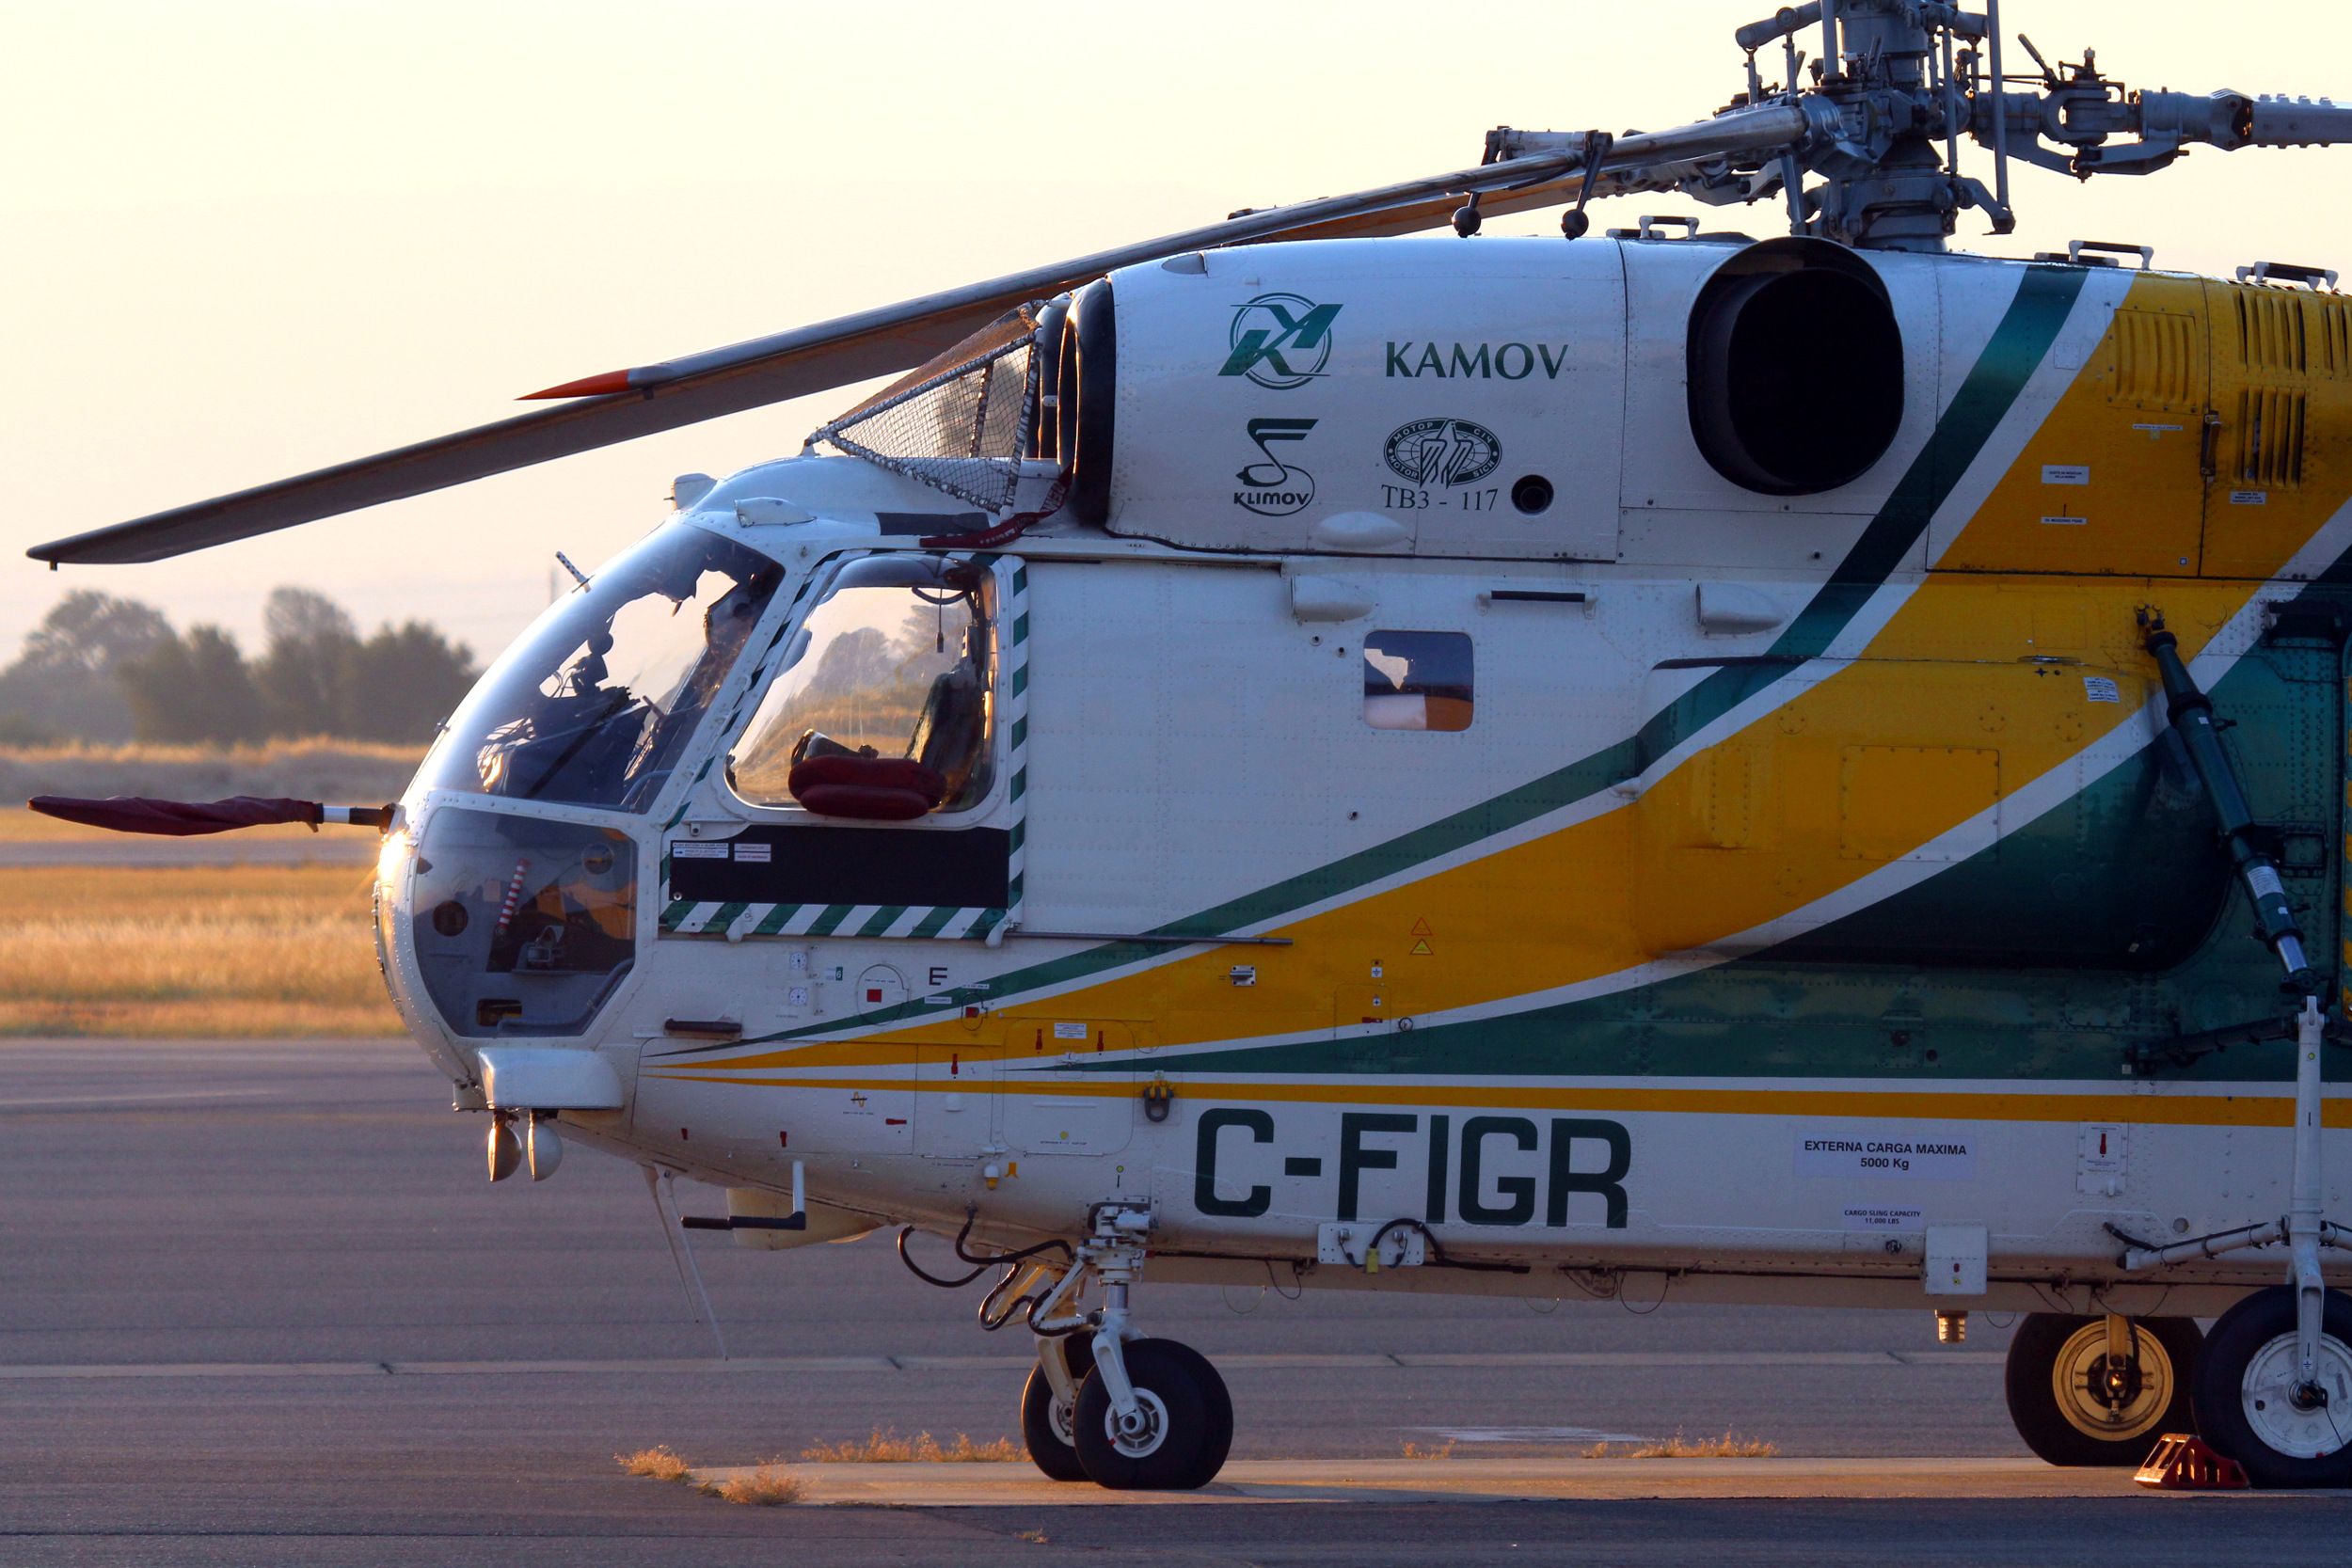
737, 921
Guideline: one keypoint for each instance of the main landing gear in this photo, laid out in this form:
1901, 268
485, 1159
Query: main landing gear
2257, 1403
1107, 1404
2273, 1387
2099, 1390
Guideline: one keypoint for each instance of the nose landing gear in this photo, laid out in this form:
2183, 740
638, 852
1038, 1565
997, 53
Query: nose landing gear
1107, 1404
1176, 1437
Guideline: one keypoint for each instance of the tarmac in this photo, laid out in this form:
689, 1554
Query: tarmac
1450, 1480
150, 853
257, 1305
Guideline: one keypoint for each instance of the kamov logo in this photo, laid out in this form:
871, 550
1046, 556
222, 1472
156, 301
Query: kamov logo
1275, 488
1280, 341
1444, 451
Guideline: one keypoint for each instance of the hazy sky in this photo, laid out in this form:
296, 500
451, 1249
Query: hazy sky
250, 237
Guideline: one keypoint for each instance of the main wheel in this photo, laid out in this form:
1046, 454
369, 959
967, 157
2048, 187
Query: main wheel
2247, 1404
1187, 1424
1045, 1423
2076, 1405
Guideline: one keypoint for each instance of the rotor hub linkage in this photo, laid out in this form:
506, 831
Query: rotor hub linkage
1897, 85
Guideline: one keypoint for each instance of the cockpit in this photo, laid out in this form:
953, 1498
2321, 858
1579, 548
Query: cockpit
523, 925
880, 706
594, 705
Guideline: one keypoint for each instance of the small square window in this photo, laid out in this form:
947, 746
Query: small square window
1416, 680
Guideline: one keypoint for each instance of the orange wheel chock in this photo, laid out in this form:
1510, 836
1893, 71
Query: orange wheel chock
2184, 1463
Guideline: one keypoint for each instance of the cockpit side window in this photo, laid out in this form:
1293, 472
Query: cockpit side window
884, 707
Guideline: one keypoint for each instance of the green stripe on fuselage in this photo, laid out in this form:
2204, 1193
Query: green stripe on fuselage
2061, 979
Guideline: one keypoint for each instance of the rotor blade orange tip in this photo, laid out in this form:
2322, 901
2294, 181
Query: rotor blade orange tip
586, 387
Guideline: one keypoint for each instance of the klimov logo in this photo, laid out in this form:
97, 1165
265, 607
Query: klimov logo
1444, 451
1280, 341
1274, 488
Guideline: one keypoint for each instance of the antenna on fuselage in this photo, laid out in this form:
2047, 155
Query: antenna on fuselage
689, 1275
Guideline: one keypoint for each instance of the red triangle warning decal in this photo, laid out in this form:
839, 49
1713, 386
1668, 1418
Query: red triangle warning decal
1421, 928
1421, 950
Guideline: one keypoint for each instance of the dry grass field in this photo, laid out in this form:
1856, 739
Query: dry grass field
192, 951
888, 1447
250, 951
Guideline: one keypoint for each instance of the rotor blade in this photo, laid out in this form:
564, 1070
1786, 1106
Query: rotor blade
856, 347
837, 353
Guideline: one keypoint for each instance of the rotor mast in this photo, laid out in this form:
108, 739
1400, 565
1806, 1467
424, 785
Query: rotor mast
1889, 77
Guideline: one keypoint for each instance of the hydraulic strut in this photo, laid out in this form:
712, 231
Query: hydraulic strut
2191, 714
2302, 1228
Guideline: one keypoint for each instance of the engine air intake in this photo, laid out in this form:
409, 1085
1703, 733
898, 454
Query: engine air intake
963, 420
1796, 367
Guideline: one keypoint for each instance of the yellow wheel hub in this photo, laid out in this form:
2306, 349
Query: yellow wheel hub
2109, 1398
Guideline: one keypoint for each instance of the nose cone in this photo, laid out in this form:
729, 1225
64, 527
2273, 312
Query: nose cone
517, 925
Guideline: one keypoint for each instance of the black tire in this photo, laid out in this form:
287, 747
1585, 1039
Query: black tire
1046, 1438
2059, 1389
1212, 1456
2241, 1422
1193, 1411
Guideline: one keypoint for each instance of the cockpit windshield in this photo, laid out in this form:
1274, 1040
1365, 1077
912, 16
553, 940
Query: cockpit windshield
593, 705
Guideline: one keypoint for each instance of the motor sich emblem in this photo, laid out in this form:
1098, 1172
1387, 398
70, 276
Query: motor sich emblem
1444, 451
1280, 341
1272, 487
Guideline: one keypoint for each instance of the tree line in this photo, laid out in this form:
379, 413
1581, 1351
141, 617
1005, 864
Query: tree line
101, 668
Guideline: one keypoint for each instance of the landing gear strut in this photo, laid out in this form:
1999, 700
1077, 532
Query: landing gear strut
2274, 1392
1146, 1415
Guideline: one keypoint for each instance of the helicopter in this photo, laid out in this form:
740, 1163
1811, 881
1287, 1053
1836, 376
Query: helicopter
1308, 751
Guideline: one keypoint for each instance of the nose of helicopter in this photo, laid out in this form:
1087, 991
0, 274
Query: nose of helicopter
511, 926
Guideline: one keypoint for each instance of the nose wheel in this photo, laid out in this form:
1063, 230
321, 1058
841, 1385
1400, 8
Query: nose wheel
1178, 1434
1107, 1404
1048, 1417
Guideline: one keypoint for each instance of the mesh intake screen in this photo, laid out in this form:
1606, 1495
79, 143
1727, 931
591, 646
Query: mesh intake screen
959, 422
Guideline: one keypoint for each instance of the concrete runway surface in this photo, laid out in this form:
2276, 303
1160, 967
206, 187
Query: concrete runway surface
259, 1306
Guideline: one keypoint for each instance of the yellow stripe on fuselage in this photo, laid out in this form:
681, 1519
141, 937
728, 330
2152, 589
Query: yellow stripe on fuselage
2172, 1110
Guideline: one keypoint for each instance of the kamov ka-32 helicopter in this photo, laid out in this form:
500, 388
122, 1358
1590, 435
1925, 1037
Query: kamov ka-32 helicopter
1663, 764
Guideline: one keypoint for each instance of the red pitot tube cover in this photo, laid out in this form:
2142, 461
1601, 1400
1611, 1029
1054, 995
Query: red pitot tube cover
131, 813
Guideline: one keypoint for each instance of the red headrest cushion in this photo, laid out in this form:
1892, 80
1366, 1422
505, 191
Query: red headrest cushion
875, 789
